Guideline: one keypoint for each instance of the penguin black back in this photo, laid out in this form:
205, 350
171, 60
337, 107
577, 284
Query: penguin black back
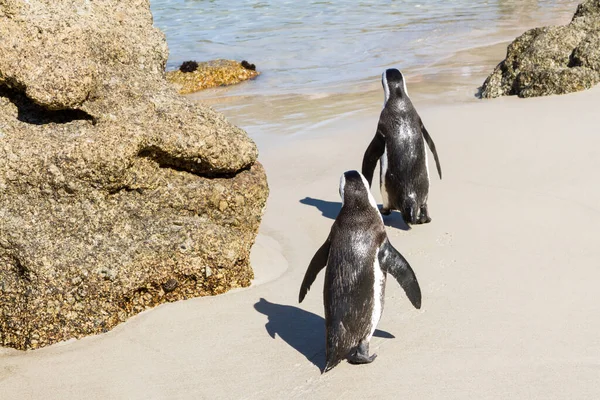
358, 255
399, 146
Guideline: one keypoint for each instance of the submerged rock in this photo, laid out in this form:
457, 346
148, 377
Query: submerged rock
193, 76
112, 185
551, 60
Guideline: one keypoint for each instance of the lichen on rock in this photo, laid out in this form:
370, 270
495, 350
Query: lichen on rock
116, 193
551, 60
211, 74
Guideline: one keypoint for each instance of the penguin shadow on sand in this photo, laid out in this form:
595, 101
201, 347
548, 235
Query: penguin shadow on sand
331, 209
302, 330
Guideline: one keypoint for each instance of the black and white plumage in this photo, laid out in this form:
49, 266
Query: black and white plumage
358, 256
399, 145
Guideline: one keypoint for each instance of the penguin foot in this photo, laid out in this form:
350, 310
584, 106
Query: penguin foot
424, 217
424, 220
361, 359
360, 355
385, 211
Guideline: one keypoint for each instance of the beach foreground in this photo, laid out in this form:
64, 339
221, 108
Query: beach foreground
508, 269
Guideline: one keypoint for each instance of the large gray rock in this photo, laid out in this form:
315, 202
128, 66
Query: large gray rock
551, 60
116, 193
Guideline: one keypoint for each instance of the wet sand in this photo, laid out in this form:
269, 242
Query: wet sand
508, 269
277, 118
452, 78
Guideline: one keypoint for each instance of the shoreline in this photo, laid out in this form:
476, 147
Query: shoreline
456, 78
489, 53
450, 79
429, 34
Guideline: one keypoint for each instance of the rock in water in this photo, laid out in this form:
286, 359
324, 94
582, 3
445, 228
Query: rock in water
190, 78
116, 193
551, 60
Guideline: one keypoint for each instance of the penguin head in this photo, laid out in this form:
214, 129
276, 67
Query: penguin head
354, 188
394, 84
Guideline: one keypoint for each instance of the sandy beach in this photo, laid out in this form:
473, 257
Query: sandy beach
508, 269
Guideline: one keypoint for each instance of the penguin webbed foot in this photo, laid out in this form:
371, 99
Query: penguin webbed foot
410, 216
357, 358
424, 217
360, 355
385, 211
424, 220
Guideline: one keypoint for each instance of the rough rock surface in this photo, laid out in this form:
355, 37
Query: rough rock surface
116, 193
551, 60
211, 74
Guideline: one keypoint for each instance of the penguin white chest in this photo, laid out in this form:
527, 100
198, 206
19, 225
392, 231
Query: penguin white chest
426, 161
378, 291
385, 199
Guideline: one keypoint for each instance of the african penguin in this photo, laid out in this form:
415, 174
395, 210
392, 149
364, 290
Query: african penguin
399, 145
358, 256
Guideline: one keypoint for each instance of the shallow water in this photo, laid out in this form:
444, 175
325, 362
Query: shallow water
304, 46
311, 51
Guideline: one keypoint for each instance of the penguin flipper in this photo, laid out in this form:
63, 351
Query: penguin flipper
396, 265
317, 263
431, 145
372, 155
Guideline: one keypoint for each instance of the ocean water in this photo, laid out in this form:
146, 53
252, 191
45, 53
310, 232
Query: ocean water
309, 51
303, 46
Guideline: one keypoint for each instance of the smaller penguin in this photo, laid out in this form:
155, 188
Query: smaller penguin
399, 145
358, 256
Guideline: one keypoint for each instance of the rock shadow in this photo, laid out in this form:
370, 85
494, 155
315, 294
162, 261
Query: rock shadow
302, 330
32, 113
330, 209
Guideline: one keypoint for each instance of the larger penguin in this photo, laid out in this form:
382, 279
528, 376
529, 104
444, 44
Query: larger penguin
358, 256
399, 145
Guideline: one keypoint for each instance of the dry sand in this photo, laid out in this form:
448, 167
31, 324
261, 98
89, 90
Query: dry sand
509, 269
